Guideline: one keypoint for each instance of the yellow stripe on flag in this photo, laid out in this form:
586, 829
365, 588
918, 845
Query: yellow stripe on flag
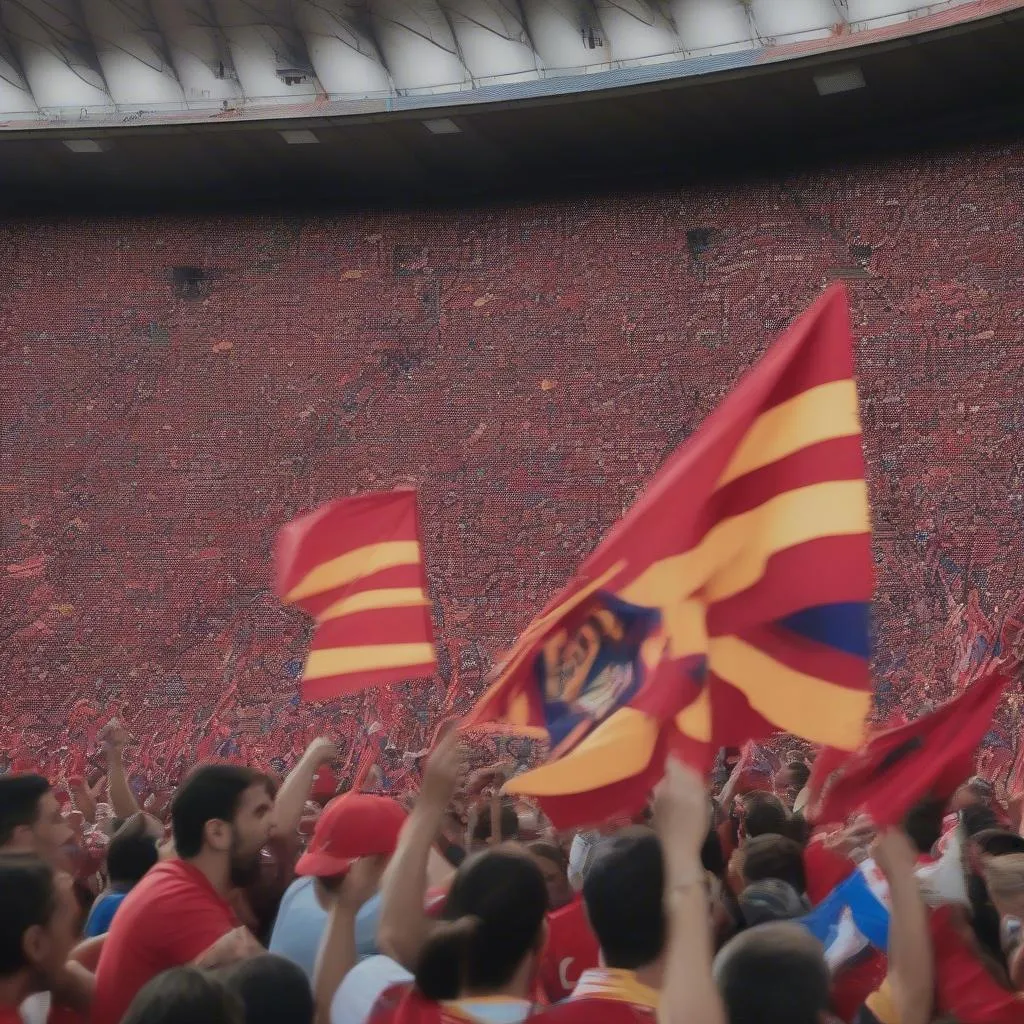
617, 749
343, 661
695, 720
371, 600
732, 555
818, 414
816, 709
354, 565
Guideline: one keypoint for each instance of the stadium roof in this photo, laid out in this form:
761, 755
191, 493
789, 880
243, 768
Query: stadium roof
216, 96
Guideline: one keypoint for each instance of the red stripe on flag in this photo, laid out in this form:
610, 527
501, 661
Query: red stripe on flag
830, 570
375, 626
397, 576
342, 526
837, 459
824, 329
733, 720
810, 658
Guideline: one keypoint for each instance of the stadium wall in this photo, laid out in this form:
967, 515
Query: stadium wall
176, 387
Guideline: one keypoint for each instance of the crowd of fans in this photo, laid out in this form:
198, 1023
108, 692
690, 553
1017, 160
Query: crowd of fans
245, 899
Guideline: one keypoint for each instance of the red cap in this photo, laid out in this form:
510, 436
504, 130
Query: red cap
352, 826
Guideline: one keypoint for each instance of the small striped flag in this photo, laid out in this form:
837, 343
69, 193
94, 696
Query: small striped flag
356, 566
730, 602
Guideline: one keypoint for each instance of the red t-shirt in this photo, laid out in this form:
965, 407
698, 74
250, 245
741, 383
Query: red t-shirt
172, 916
10, 1015
571, 949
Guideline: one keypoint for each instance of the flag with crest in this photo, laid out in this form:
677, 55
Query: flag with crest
730, 602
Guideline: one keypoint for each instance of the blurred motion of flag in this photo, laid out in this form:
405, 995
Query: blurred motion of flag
730, 602
356, 566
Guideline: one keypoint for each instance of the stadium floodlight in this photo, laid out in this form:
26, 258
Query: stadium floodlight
442, 126
86, 145
299, 137
844, 79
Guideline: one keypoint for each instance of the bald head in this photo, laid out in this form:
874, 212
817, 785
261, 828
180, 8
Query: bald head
773, 974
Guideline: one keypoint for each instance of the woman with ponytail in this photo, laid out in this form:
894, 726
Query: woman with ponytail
479, 964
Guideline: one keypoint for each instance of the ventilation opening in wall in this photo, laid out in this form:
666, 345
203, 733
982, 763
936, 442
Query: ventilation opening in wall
292, 76
190, 282
592, 38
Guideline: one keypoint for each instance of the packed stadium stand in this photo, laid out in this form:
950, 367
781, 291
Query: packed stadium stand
175, 388
177, 384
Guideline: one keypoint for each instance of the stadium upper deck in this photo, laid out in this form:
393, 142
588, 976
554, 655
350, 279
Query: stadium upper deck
104, 63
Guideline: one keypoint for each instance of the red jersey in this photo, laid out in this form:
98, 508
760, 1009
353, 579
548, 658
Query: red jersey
10, 1015
605, 996
172, 916
571, 949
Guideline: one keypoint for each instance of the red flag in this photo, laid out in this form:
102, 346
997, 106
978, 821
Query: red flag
356, 566
730, 602
929, 756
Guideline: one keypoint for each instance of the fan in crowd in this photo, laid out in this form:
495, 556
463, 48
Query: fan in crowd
248, 898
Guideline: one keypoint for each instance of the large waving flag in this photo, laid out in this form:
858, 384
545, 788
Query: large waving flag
730, 602
356, 566
930, 756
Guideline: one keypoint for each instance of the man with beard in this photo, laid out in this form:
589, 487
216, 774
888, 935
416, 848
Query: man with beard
179, 913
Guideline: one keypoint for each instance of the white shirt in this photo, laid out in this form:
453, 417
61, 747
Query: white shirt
36, 1009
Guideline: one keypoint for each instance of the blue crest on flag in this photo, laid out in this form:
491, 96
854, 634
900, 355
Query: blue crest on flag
591, 666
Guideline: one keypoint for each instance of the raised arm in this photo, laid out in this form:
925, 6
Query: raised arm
681, 815
337, 954
295, 790
404, 926
911, 961
122, 799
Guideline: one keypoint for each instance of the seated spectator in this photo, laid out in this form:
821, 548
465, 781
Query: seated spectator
624, 897
791, 780
185, 995
179, 913
272, 989
31, 819
773, 974
37, 931
483, 957
131, 853
352, 826
771, 899
555, 868
773, 856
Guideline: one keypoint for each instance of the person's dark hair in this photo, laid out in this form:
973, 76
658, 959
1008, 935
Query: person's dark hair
773, 856
185, 995
28, 898
799, 829
764, 812
624, 896
975, 818
494, 918
131, 853
773, 974
212, 792
273, 990
923, 823
712, 856
800, 771
551, 852
19, 802
998, 842
509, 823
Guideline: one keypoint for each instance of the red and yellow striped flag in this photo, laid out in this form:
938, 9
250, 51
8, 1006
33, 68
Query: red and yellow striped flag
356, 566
730, 602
